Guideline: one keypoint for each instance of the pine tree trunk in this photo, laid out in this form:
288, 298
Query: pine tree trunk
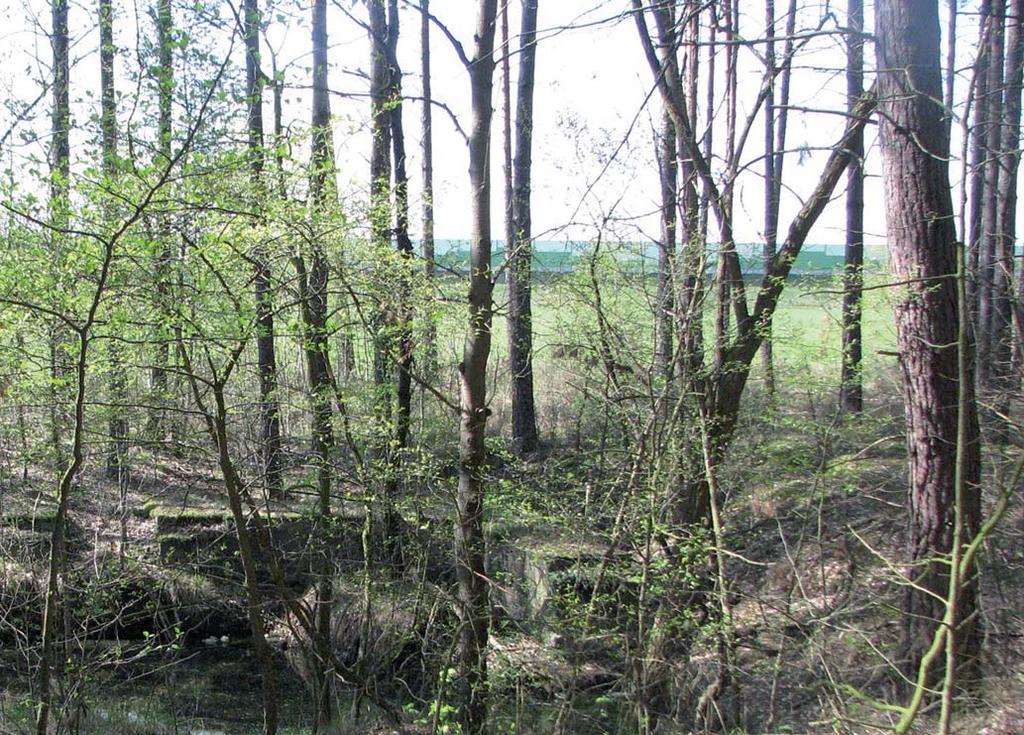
986, 324
922, 241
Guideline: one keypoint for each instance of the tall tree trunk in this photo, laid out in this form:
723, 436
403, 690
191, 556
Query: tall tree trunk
520, 311
156, 425
429, 361
402, 240
404, 315
776, 124
688, 301
313, 287
382, 321
473, 598
1006, 217
270, 421
851, 392
771, 205
60, 174
668, 175
117, 454
922, 242
978, 154
986, 336
267, 368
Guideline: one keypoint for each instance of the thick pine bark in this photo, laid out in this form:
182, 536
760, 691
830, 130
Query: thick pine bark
986, 322
851, 393
922, 241
520, 310
473, 599
270, 421
1009, 163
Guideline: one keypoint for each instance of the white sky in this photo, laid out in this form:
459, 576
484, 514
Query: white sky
592, 82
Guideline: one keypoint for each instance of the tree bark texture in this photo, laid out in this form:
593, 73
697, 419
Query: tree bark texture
473, 595
851, 391
520, 252
270, 420
922, 242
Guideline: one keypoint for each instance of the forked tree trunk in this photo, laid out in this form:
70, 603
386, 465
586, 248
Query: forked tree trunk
473, 598
922, 242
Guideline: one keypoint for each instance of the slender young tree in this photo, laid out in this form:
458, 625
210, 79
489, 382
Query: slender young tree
380, 214
60, 175
851, 393
473, 598
313, 282
270, 420
668, 177
979, 106
922, 245
156, 426
775, 126
520, 252
117, 455
429, 352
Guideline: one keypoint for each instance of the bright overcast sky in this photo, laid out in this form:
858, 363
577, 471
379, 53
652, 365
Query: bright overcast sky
593, 156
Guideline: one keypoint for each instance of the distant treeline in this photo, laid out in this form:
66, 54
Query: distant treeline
562, 256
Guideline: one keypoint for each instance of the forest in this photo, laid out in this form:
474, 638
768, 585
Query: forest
511, 366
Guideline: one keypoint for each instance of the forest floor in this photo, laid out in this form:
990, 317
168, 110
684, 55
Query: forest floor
814, 514
815, 521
